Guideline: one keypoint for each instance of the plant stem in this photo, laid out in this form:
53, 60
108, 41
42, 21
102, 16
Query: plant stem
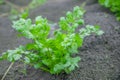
7, 71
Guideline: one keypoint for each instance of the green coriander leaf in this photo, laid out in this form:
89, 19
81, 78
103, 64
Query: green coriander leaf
17, 57
27, 60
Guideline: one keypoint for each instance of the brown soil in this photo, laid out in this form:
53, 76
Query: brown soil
100, 54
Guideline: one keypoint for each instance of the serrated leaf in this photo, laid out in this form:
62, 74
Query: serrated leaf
71, 68
58, 67
38, 65
27, 60
46, 62
17, 56
30, 46
67, 64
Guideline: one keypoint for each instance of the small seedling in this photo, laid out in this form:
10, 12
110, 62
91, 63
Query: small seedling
17, 11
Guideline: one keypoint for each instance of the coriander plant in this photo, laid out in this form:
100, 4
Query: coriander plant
52, 53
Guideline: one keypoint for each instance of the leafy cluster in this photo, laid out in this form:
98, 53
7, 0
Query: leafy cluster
52, 53
113, 5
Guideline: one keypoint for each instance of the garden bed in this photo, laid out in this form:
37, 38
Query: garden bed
100, 55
